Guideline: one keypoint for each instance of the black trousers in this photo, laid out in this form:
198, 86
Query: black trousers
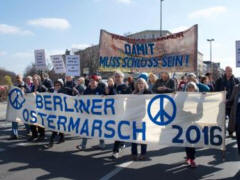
117, 145
238, 127
135, 151
37, 130
54, 134
190, 152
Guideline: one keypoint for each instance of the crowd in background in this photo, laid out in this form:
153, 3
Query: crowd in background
144, 83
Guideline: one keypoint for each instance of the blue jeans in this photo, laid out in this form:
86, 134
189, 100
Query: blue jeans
15, 128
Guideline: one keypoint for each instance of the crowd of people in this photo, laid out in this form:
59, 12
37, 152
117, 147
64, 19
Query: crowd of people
144, 84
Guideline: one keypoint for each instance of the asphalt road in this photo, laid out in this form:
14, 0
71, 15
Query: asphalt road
20, 159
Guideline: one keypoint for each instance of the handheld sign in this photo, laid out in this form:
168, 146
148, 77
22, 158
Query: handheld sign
73, 65
58, 64
237, 53
40, 60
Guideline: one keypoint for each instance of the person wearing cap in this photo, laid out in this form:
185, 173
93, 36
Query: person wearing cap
164, 85
58, 88
92, 89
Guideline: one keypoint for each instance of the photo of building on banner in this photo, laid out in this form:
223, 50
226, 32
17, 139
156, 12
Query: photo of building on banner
182, 119
58, 64
173, 53
40, 60
73, 65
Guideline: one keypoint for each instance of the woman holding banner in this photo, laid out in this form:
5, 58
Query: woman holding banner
119, 88
37, 88
92, 89
140, 88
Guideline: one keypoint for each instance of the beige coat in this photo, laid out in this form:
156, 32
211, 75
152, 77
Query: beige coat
234, 102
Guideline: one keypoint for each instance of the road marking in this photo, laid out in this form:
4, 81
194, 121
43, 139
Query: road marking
116, 170
18, 144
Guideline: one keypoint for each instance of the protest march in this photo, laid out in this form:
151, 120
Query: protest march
150, 101
147, 110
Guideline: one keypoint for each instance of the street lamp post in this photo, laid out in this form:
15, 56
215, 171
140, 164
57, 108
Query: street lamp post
161, 17
210, 43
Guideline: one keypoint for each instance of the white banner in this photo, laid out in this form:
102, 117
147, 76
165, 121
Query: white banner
181, 119
58, 64
73, 65
40, 60
237, 53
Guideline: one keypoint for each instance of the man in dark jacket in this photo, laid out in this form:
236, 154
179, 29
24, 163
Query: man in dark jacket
47, 82
119, 88
92, 89
164, 84
227, 83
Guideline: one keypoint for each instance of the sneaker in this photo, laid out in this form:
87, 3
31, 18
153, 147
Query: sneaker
80, 147
122, 147
115, 155
13, 137
192, 164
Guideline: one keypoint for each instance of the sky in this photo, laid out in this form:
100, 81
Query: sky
58, 25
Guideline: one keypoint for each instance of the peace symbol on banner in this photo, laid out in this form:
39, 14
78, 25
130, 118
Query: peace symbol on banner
162, 117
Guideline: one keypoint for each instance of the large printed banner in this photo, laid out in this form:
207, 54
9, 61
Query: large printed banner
173, 53
181, 119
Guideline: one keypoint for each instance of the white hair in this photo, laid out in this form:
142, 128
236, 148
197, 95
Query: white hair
192, 84
119, 73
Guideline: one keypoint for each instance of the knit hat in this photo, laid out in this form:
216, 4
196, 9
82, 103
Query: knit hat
143, 76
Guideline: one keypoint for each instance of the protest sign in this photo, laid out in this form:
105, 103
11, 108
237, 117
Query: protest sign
181, 119
237, 53
58, 64
173, 53
73, 65
40, 60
